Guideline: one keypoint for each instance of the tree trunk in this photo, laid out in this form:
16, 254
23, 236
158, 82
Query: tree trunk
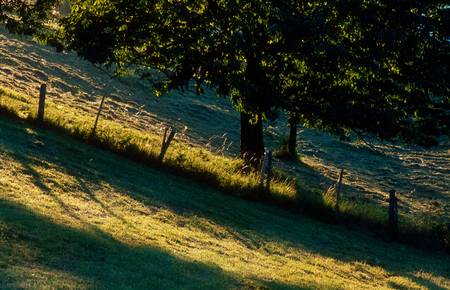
252, 143
292, 144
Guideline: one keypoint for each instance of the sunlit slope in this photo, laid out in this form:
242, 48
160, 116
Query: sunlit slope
75, 216
74, 82
420, 176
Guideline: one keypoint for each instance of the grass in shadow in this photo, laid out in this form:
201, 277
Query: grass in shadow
53, 255
222, 172
274, 236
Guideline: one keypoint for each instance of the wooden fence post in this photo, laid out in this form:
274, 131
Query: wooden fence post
262, 173
338, 191
393, 214
266, 170
100, 108
41, 108
164, 138
166, 142
269, 170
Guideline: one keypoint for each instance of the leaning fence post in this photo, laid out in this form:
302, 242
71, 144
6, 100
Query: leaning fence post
100, 108
164, 137
338, 191
393, 214
41, 108
166, 142
269, 170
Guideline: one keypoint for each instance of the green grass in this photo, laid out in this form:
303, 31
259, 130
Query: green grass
74, 83
74, 216
223, 172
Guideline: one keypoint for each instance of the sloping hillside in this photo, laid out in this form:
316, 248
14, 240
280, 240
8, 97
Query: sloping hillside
72, 216
421, 176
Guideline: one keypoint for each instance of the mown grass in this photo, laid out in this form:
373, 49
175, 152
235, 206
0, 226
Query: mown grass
74, 216
228, 174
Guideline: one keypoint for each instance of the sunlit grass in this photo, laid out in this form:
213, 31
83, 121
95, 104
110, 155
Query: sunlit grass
223, 172
73, 216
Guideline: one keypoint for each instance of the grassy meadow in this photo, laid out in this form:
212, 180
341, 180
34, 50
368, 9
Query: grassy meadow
220, 171
131, 125
419, 175
74, 216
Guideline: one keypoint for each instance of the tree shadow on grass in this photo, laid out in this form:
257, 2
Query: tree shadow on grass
93, 257
251, 223
199, 113
371, 171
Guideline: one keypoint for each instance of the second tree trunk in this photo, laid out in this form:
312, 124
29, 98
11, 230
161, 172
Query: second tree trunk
292, 143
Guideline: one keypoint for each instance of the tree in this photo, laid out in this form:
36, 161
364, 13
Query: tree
25, 17
367, 66
383, 69
221, 44
232, 46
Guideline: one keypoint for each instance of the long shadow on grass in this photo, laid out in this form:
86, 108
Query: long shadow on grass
252, 224
377, 169
32, 241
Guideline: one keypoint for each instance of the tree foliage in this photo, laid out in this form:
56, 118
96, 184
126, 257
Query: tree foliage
228, 45
383, 69
370, 66
25, 16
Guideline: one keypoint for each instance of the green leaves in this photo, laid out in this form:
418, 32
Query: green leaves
340, 65
26, 17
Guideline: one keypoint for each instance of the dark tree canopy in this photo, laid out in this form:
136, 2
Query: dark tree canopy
390, 65
25, 16
369, 66
227, 45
